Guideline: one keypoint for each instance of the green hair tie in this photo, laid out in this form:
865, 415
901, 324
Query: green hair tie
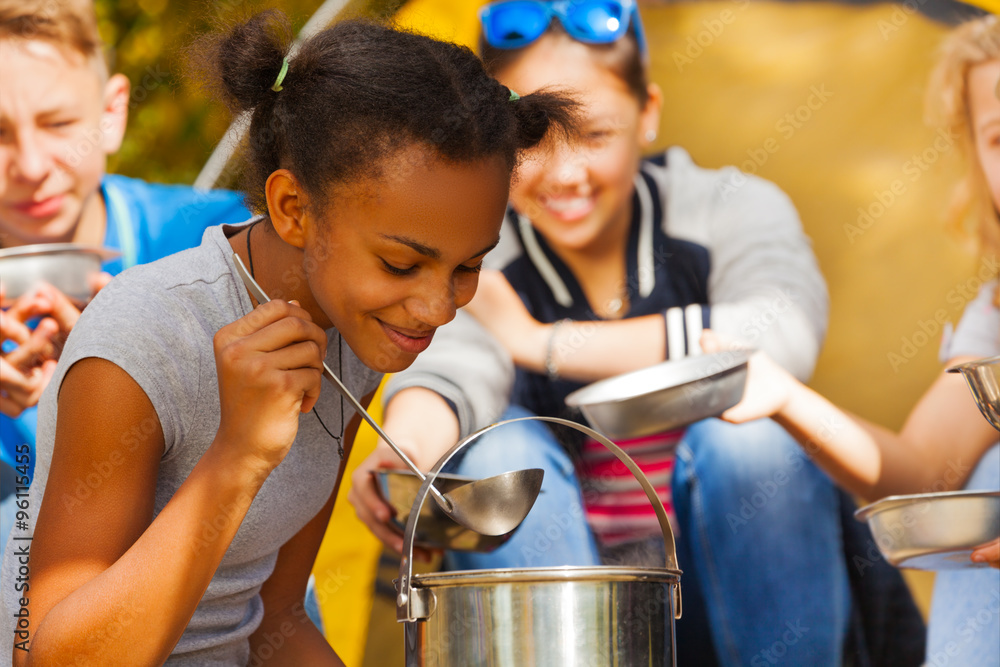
513, 96
281, 76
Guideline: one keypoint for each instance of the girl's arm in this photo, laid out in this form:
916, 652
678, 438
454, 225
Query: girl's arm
286, 635
420, 423
941, 442
581, 351
110, 585
765, 286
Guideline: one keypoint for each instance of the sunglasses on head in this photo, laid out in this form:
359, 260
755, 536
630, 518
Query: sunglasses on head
511, 24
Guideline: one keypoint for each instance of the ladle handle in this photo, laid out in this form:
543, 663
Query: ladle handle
258, 293
329, 375
408, 608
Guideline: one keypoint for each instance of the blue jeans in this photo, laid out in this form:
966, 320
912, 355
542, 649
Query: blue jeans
964, 625
311, 605
759, 540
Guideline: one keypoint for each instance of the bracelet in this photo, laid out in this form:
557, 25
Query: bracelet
551, 370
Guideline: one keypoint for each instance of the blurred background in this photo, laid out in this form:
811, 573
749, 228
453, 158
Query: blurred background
825, 99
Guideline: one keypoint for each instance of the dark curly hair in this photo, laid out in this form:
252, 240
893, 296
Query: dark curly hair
358, 93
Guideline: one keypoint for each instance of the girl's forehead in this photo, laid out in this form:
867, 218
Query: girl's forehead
551, 46
557, 60
571, 68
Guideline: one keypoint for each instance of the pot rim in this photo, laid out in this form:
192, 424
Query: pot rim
561, 574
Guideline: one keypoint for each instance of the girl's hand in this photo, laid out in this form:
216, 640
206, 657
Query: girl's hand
498, 308
768, 386
371, 509
988, 553
269, 364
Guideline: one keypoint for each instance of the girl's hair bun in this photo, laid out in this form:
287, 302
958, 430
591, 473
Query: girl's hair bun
355, 95
243, 62
538, 112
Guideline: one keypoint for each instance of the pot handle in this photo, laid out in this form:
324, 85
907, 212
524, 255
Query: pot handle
409, 609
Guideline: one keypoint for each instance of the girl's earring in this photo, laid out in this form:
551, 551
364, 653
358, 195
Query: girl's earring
651, 136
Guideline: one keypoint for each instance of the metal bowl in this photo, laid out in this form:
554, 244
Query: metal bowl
933, 531
66, 266
663, 397
435, 530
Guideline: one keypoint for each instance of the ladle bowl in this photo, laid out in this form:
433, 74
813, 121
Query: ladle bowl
491, 506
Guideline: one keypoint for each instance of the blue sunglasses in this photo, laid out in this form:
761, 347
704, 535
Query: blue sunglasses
511, 24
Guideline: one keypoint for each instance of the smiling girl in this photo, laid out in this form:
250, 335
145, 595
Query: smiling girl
614, 261
189, 456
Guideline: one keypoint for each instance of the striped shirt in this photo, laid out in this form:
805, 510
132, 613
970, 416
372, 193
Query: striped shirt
617, 508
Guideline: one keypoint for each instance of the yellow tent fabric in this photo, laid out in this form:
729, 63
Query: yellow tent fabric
992, 6
347, 559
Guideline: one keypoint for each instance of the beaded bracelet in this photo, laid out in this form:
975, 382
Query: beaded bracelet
551, 370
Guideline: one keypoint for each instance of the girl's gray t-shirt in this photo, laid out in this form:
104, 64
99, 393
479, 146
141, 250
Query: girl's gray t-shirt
978, 332
157, 322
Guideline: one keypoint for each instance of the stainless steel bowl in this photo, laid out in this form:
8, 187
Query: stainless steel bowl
663, 397
66, 266
933, 531
435, 529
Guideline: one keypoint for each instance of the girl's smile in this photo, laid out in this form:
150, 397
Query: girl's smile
579, 195
390, 259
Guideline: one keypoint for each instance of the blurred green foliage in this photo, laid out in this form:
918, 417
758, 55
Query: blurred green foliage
173, 126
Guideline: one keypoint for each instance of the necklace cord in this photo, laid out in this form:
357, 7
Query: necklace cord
340, 354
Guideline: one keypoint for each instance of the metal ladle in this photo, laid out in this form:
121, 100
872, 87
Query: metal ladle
491, 506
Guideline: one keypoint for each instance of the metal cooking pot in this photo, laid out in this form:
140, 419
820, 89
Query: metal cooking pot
559, 616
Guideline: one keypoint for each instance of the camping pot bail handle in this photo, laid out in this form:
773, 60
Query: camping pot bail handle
408, 609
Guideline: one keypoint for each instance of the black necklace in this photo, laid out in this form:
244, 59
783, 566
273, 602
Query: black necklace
340, 353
